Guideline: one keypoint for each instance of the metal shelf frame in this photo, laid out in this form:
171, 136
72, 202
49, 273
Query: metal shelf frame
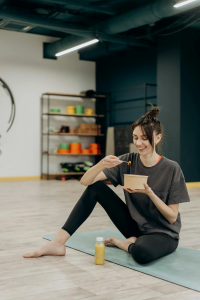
100, 116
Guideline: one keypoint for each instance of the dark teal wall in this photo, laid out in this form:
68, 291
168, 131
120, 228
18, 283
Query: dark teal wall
168, 93
124, 71
178, 78
175, 67
190, 105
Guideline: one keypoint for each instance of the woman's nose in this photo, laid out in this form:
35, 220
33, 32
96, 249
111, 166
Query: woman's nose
138, 143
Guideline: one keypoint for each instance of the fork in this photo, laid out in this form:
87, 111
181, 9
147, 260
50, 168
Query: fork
125, 161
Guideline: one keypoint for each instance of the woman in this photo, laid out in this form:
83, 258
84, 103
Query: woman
150, 219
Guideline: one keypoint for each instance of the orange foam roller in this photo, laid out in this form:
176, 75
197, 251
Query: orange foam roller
63, 151
94, 152
75, 148
94, 148
86, 151
76, 152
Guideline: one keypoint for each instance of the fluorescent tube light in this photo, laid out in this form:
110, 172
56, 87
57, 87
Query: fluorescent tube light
77, 47
183, 3
27, 28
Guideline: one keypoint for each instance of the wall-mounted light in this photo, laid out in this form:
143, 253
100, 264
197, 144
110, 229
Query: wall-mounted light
77, 47
183, 3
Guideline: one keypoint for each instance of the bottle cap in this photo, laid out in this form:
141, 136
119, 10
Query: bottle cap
99, 239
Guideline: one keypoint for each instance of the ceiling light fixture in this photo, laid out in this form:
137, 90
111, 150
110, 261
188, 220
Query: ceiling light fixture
183, 3
77, 47
27, 28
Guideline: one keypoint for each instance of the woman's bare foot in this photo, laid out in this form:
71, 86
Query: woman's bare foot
120, 244
51, 248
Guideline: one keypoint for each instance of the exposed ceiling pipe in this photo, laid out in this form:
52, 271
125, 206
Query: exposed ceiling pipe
106, 30
45, 23
80, 5
84, 33
50, 49
97, 51
143, 15
87, 33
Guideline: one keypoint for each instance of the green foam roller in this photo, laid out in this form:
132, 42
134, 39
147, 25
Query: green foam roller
86, 168
88, 163
64, 146
79, 109
55, 110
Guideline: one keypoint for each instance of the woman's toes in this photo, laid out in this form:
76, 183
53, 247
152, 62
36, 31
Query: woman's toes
110, 241
31, 254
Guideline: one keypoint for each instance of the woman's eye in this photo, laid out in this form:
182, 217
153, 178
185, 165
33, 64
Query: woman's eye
136, 139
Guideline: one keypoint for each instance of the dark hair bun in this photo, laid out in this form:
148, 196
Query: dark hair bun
154, 111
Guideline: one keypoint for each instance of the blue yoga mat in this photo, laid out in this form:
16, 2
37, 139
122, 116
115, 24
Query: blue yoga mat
181, 267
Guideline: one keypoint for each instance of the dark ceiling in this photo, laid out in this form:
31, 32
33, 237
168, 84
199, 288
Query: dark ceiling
117, 24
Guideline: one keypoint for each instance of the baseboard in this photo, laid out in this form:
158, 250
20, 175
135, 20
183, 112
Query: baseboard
189, 184
20, 178
193, 184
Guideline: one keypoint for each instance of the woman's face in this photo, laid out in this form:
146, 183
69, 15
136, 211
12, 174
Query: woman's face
141, 142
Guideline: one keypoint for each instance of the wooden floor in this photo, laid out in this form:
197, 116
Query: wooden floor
31, 209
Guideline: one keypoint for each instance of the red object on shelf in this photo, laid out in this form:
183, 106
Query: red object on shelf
95, 148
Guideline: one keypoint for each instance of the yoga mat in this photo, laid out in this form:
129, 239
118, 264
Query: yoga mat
181, 267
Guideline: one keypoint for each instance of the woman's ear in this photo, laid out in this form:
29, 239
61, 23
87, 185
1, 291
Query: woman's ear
158, 138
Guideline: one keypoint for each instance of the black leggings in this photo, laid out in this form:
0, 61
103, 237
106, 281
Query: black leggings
146, 248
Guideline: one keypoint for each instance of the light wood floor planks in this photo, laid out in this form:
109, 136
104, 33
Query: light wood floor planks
31, 209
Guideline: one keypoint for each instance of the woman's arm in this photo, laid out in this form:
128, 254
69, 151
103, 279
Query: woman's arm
170, 213
91, 174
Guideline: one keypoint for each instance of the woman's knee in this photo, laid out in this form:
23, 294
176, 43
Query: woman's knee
93, 189
97, 185
141, 253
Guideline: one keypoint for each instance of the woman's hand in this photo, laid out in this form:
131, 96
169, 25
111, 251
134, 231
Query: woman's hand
110, 161
146, 191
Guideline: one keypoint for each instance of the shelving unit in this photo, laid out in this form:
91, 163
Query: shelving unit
68, 154
77, 115
100, 118
81, 134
